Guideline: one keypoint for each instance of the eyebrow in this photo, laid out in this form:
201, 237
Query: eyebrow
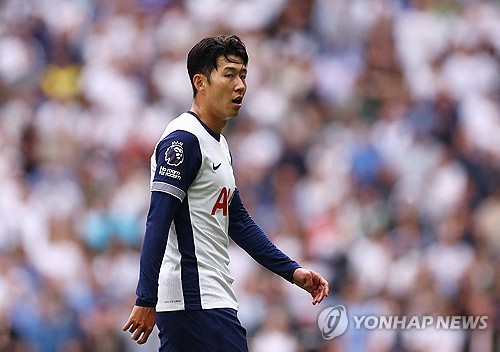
234, 69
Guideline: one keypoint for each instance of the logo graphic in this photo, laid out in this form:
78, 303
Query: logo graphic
216, 166
174, 155
333, 322
170, 173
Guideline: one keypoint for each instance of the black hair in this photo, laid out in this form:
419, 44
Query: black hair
202, 58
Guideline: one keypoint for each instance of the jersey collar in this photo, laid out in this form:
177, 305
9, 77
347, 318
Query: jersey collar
212, 133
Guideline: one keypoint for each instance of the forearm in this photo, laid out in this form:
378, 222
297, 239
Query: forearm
262, 250
160, 215
248, 235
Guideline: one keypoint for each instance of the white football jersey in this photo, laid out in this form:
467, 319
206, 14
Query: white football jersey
194, 165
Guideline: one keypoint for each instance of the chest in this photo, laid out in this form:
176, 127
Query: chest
215, 183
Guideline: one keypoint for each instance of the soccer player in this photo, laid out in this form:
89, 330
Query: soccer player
185, 284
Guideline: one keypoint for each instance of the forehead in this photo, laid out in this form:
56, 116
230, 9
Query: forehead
233, 62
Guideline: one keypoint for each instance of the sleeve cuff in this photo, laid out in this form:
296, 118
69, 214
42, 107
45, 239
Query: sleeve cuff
141, 303
290, 276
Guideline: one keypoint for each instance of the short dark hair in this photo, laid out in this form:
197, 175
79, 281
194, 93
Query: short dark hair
202, 58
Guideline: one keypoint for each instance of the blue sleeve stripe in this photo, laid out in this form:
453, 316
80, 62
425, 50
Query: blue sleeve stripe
169, 189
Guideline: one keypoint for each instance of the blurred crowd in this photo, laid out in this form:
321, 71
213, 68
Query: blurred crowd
367, 148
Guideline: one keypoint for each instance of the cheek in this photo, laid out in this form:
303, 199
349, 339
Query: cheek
224, 92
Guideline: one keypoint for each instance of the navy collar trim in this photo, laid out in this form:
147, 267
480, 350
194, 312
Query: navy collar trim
212, 133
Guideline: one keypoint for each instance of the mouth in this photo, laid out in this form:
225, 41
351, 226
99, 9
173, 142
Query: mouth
237, 101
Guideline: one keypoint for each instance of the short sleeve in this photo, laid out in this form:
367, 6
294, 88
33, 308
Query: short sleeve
178, 160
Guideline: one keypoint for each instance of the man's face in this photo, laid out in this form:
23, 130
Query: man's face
226, 87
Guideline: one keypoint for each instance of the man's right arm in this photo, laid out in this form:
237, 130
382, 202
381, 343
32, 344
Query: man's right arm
178, 159
161, 212
143, 316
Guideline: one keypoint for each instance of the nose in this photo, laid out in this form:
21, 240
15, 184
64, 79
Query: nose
240, 86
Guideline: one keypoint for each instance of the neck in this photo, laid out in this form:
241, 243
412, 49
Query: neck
214, 123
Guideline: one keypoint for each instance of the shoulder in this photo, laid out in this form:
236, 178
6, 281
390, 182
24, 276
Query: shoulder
180, 132
184, 122
177, 143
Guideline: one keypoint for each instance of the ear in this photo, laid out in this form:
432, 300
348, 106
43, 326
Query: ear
199, 82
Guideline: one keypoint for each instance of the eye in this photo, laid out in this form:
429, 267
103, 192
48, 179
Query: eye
229, 75
243, 76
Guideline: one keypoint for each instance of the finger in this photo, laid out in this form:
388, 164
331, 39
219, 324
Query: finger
320, 295
145, 337
133, 327
324, 292
137, 334
314, 300
317, 295
327, 288
321, 281
318, 278
127, 325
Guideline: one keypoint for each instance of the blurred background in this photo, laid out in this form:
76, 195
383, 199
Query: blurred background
368, 148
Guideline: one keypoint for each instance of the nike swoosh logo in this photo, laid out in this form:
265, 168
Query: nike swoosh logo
216, 166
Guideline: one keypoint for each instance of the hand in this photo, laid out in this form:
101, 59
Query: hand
141, 322
312, 282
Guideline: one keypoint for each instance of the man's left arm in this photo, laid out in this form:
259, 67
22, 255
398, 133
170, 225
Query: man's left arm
247, 234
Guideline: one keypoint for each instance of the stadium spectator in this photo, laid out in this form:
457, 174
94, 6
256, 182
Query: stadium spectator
378, 112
